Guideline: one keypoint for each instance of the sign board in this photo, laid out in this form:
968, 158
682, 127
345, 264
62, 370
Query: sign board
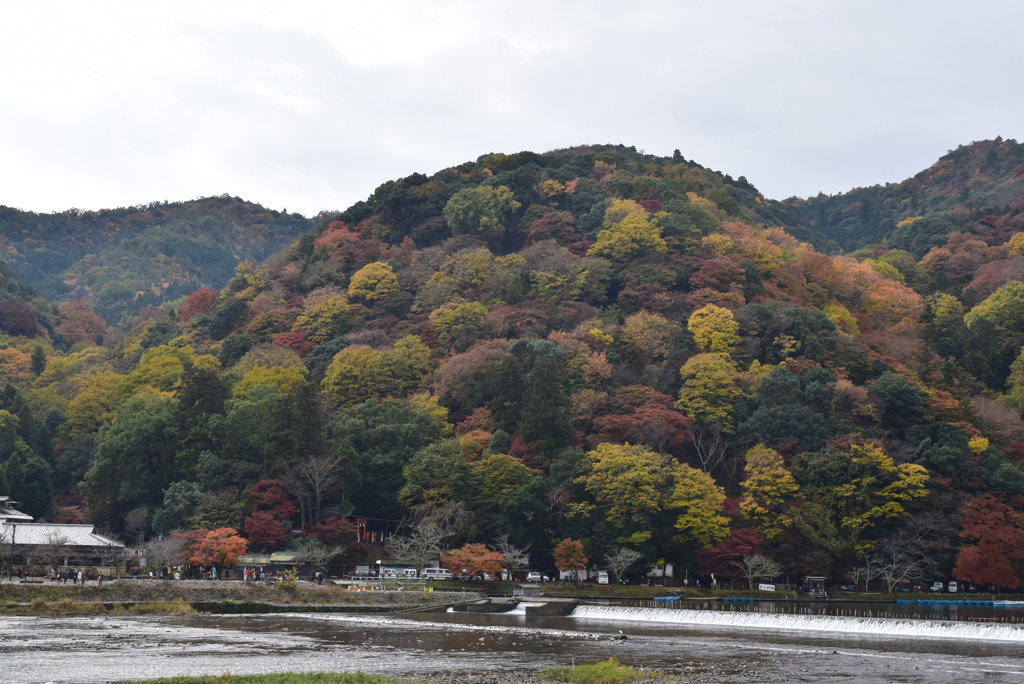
766, 587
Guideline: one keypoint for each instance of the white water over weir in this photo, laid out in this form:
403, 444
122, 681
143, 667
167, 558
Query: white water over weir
897, 627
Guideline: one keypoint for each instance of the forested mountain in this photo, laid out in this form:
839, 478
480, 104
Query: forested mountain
119, 260
968, 190
632, 351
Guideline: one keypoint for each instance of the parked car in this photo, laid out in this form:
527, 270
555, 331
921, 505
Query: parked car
436, 573
602, 577
534, 576
936, 586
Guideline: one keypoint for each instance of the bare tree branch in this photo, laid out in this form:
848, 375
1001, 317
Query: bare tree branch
516, 559
756, 566
621, 560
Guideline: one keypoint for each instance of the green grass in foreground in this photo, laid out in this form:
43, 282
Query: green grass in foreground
41, 606
610, 671
283, 678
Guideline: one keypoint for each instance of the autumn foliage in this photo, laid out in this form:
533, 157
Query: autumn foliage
472, 560
621, 351
220, 548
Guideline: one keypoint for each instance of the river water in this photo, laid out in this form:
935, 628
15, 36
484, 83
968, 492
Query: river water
702, 646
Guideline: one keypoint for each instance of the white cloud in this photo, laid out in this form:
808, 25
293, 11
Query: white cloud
311, 105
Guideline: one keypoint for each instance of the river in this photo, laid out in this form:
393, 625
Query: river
702, 646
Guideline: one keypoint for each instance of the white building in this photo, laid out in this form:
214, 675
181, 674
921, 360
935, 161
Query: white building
24, 543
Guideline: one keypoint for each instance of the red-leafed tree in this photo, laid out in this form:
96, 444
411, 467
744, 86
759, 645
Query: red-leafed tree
722, 557
270, 508
994, 551
554, 225
298, 342
569, 557
473, 559
268, 496
654, 424
336, 531
719, 273
199, 302
17, 318
264, 532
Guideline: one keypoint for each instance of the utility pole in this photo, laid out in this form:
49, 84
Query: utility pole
10, 567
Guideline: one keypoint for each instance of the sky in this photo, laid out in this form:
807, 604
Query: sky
309, 106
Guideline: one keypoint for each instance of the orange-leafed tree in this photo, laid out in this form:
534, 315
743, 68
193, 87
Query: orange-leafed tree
220, 548
78, 323
473, 559
569, 557
199, 302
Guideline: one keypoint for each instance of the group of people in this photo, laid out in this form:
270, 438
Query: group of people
78, 577
253, 575
162, 573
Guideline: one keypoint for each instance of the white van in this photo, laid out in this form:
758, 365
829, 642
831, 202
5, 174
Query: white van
952, 587
436, 573
602, 577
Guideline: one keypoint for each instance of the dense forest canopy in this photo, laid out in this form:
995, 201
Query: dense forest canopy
595, 343
120, 260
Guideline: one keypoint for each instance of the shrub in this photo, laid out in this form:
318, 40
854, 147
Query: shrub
610, 671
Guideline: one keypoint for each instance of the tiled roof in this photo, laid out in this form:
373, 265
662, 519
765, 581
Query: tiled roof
268, 558
9, 512
30, 534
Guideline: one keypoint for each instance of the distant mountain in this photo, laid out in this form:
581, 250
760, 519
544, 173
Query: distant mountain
122, 259
983, 179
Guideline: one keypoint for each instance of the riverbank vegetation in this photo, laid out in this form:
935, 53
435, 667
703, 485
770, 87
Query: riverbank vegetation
609, 671
77, 608
286, 678
174, 597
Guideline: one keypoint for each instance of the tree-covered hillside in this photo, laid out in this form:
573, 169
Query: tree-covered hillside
973, 184
120, 260
631, 351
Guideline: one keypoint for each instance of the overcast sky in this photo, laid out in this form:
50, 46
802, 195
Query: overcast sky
309, 106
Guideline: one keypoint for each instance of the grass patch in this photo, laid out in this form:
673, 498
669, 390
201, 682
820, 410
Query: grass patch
160, 608
77, 608
610, 671
283, 678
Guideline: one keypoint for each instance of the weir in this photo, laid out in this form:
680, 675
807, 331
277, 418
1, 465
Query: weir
552, 608
896, 627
